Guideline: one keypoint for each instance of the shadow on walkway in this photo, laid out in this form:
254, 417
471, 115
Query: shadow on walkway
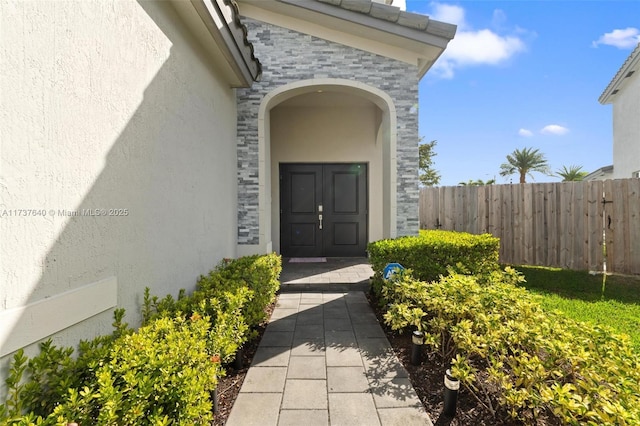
324, 359
336, 274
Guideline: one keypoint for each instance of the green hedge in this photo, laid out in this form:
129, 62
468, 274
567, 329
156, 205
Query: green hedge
510, 353
163, 373
234, 295
432, 252
259, 274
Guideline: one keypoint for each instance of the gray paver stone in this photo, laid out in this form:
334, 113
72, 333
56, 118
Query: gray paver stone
352, 409
336, 312
307, 367
396, 392
285, 324
277, 338
340, 338
363, 318
338, 324
329, 297
259, 409
280, 313
346, 379
304, 417
310, 317
343, 356
264, 379
271, 356
367, 331
288, 303
357, 296
309, 331
359, 308
294, 296
305, 394
308, 347
384, 367
406, 416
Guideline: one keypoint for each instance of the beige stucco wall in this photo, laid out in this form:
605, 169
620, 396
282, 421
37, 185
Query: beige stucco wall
626, 129
107, 105
328, 134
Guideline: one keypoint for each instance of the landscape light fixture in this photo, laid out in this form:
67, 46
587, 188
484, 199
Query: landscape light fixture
451, 387
417, 340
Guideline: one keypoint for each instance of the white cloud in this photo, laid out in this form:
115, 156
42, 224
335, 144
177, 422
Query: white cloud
482, 47
554, 129
525, 132
626, 38
472, 47
448, 13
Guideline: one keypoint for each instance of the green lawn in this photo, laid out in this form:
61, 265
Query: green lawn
579, 295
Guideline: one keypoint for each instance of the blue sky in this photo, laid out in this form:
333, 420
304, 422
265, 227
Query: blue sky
523, 74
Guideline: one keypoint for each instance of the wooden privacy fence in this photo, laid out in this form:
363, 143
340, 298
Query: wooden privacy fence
550, 224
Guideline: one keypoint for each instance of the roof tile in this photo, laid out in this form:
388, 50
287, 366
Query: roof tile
413, 20
382, 11
362, 6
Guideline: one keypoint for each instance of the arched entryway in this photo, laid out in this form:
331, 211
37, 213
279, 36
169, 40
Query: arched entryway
327, 121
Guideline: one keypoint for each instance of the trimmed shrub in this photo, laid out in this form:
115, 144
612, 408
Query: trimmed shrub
234, 295
510, 353
259, 274
230, 329
54, 371
432, 252
161, 374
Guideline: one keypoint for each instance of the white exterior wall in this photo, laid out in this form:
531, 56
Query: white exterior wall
329, 134
107, 105
626, 129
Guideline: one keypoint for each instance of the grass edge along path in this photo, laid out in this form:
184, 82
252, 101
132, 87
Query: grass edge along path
579, 295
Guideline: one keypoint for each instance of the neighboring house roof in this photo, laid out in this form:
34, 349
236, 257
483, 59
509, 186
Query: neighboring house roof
630, 66
219, 20
600, 173
410, 37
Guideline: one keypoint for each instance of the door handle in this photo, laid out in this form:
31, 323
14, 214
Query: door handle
320, 218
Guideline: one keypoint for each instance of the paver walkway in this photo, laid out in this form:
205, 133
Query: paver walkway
338, 273
324, 360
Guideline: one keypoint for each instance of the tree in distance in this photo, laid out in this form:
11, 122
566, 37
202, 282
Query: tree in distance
427, 174
525, 161
571, 173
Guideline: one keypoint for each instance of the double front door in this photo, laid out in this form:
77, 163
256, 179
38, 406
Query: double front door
323, 210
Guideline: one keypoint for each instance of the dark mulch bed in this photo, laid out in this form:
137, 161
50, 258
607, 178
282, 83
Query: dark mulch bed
229, 386
427, 379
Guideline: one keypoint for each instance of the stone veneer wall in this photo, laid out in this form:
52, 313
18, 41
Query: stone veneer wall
288, 56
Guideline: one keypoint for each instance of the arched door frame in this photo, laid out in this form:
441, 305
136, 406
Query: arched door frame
387, 135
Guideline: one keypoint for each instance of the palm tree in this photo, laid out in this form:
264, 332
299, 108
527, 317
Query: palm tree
571, 174
478, 182
524, 162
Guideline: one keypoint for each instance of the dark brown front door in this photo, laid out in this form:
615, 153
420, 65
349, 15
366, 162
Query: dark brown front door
323, 210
